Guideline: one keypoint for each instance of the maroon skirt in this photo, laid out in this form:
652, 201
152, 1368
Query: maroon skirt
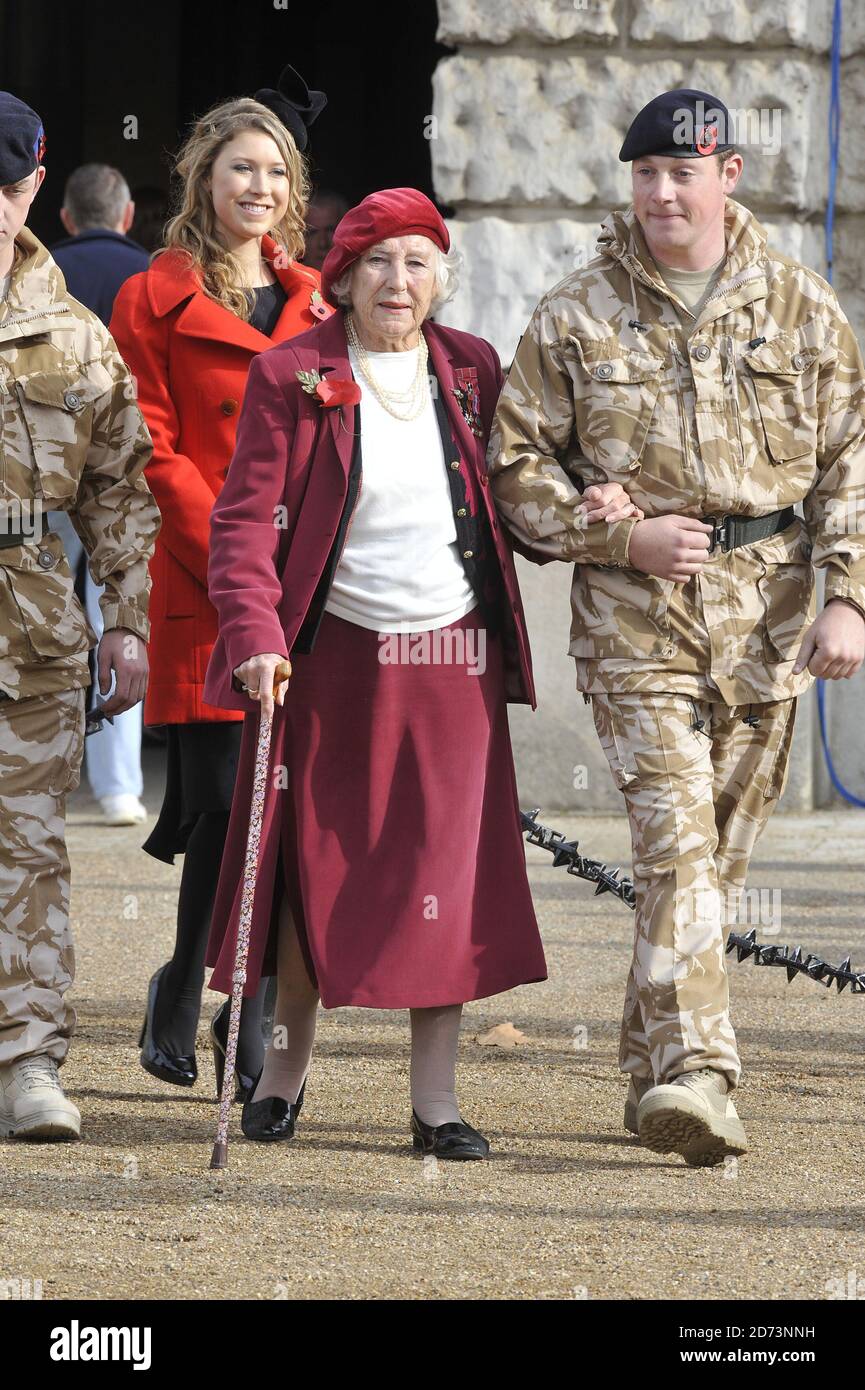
401, 849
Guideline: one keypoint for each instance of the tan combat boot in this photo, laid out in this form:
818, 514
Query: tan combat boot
694, 1117
32, 1103
637, 1088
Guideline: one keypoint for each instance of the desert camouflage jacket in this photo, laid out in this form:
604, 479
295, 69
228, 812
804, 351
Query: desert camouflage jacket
71, 438
757, 404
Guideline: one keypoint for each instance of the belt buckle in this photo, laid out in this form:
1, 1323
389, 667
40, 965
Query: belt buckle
719, 536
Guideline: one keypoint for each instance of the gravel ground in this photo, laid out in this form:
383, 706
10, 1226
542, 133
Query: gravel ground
568, 1206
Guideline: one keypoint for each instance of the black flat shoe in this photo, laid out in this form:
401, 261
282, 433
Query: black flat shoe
272, 1118
243, 1085
178, 1071
448, 1141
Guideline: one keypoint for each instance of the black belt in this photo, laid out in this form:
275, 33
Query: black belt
732, 531
21, 537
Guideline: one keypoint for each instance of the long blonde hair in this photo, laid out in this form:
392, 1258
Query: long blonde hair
193, 228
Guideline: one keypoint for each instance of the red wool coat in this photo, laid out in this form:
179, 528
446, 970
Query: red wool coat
293, 454
191, 358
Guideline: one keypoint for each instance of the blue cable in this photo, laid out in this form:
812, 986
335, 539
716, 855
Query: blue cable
824, 738
834, 134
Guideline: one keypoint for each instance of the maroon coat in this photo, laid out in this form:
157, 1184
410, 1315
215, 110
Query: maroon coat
292, 462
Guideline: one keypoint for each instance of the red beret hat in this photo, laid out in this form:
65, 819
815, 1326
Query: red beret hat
391, 212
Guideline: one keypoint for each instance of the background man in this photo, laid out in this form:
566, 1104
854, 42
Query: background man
324, 211
98, 255
96, 258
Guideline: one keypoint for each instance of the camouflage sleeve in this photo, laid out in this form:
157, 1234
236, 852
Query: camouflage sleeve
114, 513
835, 508
532, 435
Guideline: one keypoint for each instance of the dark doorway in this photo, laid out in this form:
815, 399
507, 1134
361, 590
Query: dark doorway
87, 68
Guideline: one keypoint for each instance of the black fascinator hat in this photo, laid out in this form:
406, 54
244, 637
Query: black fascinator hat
295, 105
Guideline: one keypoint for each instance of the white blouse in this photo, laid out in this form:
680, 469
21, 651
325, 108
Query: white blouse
400, 569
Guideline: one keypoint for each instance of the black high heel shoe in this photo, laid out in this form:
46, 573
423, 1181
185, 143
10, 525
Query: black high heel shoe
178, 1071
270, 1119
448, 1141
243, 1085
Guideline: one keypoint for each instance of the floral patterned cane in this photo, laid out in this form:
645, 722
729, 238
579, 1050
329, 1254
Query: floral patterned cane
219, 1157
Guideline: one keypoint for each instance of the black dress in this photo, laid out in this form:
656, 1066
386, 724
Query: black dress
202, 758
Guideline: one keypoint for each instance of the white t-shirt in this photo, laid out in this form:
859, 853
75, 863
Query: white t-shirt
400, 569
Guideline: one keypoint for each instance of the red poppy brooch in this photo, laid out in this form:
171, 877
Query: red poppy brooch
329, 393
318, 308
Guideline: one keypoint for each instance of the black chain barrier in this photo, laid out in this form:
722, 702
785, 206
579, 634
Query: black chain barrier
566, 853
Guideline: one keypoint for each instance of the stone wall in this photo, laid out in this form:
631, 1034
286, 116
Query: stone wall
531, 110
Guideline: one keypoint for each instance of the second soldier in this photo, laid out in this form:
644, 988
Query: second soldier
720, 383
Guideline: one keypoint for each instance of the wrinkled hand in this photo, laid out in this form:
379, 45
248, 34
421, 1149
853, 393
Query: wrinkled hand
670, 547
834, 645
266, 678
608, 502
124, 653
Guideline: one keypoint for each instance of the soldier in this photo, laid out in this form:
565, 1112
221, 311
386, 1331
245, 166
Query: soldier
721, 384
72, 439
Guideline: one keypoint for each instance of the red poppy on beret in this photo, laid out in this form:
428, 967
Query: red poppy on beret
391, 212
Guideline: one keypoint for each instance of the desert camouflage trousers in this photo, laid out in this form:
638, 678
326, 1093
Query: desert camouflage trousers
699, 784
41, 743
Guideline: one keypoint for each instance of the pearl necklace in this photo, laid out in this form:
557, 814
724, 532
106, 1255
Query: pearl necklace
402, 405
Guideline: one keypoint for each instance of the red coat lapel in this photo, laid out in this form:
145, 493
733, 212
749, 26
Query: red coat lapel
170, 282
203, 318
304, 305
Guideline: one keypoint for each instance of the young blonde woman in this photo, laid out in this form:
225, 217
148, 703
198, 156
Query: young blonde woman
225, 286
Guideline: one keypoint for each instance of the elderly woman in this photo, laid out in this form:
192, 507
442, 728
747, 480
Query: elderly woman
356, 536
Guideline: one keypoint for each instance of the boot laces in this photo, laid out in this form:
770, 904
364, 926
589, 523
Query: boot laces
38, 1071
692, 1079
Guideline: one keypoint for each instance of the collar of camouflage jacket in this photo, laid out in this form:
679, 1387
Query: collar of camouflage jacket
37, 290
743, 277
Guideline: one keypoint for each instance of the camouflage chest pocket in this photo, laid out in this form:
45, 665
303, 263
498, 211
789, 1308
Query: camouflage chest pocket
57, 412
615, 399
47, 620
783, 378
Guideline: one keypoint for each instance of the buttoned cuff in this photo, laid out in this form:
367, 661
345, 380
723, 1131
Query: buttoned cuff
125, 615
605, 543
842, 598
841, 586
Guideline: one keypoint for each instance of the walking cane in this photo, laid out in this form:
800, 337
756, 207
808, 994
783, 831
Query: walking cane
219, 1157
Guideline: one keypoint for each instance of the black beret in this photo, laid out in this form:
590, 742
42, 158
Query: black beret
295, 105
22, 140
683, 124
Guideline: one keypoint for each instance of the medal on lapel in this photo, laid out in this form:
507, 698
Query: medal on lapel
468, 397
